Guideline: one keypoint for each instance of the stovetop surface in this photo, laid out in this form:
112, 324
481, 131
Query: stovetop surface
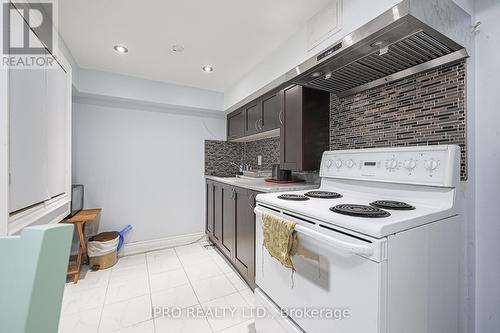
410, 206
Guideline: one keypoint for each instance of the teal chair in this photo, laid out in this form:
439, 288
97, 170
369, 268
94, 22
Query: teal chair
32, 277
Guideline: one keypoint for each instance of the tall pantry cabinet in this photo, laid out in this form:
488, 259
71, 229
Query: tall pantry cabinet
35, 182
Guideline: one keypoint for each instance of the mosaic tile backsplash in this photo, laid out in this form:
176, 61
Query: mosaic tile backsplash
220, 154
269, 149
424, 109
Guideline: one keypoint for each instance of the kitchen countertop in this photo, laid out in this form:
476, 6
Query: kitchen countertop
260, 185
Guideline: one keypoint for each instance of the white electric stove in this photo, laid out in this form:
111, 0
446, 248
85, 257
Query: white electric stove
379, 246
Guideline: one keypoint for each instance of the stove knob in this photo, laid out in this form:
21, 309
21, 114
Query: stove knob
349, 163
410, 164
391, 164
338, 164
431, 165
328, 164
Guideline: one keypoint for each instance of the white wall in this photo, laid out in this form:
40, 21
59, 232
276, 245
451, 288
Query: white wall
143, 168
487, 167
121, 87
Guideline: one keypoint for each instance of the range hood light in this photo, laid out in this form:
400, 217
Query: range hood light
328, 76
316, 74
379, 43
383, 51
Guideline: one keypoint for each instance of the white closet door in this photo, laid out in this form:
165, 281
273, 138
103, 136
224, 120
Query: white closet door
28, 138
57, 106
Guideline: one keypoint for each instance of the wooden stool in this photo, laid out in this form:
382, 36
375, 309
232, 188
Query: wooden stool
79, 220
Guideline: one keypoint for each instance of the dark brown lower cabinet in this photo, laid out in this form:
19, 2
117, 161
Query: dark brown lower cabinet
217, 213
228, 220
244, 252
210, 210
230, 212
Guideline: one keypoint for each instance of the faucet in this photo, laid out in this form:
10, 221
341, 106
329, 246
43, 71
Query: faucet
240, 167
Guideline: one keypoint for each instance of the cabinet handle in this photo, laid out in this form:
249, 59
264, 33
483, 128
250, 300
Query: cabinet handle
280, 117
256, 125
233, 193
261, 124
251, 200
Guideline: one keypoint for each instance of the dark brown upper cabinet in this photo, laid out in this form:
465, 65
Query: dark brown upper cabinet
303, 116
253, 122
259, 116
270, 112
236, 125
305, 123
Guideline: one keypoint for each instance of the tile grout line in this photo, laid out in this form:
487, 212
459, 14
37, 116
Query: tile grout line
128, 299
237, 291
104, 302
150, 291
190, 283
116, 302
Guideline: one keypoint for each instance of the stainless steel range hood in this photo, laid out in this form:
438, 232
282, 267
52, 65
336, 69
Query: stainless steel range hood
394, 45
411, 37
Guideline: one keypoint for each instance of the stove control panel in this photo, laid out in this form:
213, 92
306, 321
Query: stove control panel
424, 165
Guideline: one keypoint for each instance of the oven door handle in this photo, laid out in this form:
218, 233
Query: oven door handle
351, 248
348, 247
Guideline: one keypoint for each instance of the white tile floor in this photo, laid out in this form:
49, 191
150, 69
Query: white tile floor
192, 278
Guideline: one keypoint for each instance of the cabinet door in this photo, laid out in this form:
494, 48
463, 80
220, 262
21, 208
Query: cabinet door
228, 220
218, 205
270, 112
253, 118
28, 138
291, 129
244, 254
210, 210
236, 125
57, 116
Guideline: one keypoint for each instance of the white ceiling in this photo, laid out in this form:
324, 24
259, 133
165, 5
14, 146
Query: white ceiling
233, 36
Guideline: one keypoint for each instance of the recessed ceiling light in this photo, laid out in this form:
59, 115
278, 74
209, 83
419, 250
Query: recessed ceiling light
120, 49
177, 48
208, 69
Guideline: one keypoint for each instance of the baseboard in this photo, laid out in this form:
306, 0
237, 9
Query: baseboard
159, 244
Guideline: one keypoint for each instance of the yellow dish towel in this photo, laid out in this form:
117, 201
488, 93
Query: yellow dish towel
280, 239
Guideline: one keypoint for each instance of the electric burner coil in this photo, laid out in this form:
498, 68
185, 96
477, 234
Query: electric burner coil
389, 204
293, 197
360, 211
323, 195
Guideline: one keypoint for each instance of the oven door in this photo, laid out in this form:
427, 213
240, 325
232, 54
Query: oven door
339, 283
